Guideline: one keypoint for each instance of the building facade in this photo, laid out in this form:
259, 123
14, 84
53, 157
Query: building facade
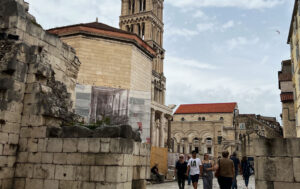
287, 99
145, 19
251, 127
114, 80
293, 41
206, 128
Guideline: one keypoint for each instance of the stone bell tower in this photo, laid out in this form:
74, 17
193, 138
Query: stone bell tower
145, 19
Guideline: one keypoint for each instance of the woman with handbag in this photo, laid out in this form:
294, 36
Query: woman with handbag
225, 171
208, 168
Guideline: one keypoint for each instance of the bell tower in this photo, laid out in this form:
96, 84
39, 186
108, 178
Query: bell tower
145, 19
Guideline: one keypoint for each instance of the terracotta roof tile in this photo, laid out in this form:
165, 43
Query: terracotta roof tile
206, 108
101, 29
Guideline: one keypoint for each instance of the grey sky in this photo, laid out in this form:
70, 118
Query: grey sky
217, 50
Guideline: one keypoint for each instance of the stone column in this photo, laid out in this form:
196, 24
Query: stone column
153, 128
162, 131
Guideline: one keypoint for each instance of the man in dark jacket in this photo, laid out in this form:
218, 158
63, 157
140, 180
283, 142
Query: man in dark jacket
180, 170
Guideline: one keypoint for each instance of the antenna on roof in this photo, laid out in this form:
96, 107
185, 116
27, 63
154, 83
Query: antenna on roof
96, 19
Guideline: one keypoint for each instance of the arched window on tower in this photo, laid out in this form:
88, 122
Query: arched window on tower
143, 31
129, 6
141, 5
133, 6
128, 28
144, 5
139, 30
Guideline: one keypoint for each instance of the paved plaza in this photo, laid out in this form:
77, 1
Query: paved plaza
173, 185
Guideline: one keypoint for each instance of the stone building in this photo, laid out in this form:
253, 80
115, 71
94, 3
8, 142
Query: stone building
251, 127
206, 128
115, 76
293, 41
121, 76
287, 99
145, 19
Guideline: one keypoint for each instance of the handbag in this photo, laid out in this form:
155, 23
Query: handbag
217, 173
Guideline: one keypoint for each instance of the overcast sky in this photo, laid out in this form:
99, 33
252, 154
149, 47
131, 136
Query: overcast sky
216, 50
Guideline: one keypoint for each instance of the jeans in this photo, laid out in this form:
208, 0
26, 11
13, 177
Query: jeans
234, 182
246, 181
181, 182
189, 180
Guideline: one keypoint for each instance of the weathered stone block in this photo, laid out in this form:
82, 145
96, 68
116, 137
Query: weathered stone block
7, 183
66, 172
70, 145
44, 171
51, 184
32, 145
294, 147
10, 149
47, 157
60, 158
275, 169
3, 138
33, 183
138, 184
13, 139
24, 170
136, 149
68, 184
296, 166
98, 173
19, 183
109, 159
94, 145
38, 132
121, 146
139, 173
116, 174
55, 145
283, 185
129, 160
87, 159
82, 173
35, 157
88, 185
74, 158
6, 173
83, 145
104, 147
42, 145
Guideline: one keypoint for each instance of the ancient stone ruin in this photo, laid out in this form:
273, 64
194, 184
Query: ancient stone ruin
38, 148
277, 163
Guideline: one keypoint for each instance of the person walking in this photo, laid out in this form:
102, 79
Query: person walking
225, 171
208, 168
189, 176
237, 167
246, 170
195, 169
180, 170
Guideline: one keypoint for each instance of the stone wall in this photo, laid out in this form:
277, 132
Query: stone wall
84, 163
277, 163
38, 75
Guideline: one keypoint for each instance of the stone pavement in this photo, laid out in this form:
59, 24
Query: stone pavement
173, 185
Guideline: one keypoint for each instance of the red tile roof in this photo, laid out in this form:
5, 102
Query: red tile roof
101, 29
285, 97
206, 108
